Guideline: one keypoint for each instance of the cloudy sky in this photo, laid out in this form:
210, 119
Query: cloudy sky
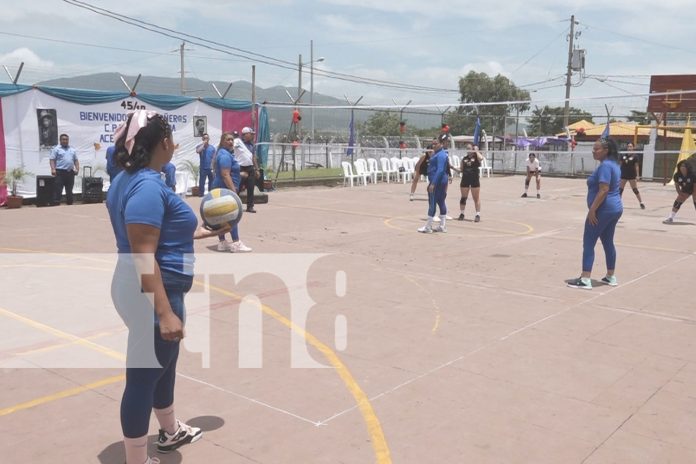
418, 43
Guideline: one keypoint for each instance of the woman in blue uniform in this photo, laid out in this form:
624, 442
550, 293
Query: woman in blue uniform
605, 209
630, 172
469, 170
154, 231
228, 175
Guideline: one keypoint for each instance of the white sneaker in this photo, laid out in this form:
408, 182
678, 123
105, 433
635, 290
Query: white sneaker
224, 245
440, 229
184, 434
425, 230
410, 198
239, 247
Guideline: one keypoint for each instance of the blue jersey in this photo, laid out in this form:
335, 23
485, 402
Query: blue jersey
143, 198
437, 167
608, 172
65, 157
169, 171
206, 157
225, 161
112, 168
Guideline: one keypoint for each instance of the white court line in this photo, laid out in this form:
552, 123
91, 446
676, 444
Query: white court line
252, 400
505, 337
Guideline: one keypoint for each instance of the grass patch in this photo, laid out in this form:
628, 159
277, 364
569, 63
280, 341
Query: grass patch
306, 174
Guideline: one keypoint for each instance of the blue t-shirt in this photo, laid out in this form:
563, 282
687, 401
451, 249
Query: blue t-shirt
169, 171
65, 157
143, 198
608, 172
206, 157
437, 167
225, 161
112, 168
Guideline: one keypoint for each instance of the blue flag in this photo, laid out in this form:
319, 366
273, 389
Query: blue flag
351, 137
477, 131
605, 133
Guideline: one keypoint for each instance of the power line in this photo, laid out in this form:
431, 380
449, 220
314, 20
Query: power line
638, 39
246, 54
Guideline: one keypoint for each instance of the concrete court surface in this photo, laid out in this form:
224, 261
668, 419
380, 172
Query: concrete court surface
464, 347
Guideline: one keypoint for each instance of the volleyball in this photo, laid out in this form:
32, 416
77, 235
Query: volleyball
220, 206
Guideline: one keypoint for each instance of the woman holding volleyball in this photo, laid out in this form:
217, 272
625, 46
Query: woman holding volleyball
154, 231
228, 175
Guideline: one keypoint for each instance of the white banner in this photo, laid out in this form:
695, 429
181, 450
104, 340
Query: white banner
33, 121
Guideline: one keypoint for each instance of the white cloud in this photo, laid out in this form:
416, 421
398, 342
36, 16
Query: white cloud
27, 56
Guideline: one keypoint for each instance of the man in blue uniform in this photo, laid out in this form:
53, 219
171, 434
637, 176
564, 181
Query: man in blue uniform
64, 167
205, 152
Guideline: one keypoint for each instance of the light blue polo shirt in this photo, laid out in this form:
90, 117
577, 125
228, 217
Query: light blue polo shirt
143, 198
65, 157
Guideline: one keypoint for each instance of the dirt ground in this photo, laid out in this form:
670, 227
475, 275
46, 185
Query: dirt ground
348, 337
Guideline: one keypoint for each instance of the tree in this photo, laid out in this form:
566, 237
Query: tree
383, 123
549, 119
641, 117
480, 88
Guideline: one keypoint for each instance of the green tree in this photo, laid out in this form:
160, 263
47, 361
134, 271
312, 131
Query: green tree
549, 119
384, 123
480, 88
641, 117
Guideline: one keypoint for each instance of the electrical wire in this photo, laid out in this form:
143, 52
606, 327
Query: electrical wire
246, 54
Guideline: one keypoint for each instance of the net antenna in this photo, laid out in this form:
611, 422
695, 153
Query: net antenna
16, 76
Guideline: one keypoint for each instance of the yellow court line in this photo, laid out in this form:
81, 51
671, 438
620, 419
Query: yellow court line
501, 233
62, 394
379, 443
374, 427
64, 335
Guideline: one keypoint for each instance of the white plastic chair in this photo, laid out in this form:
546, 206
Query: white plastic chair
361, 170
484, 168
408, 167
456, 162
181, 183
348, 174
388, 169
373, 169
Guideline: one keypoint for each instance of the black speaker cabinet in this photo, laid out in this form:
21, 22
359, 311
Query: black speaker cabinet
45, 189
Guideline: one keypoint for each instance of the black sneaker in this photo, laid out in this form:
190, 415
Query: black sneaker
184, 434
461, 217
642, 206
250, 210
524, 195
477, 218
538, 195
578, 283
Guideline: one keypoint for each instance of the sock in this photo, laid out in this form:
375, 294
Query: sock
166, 419
526, 187
136, 450
443, 219
429, 222
478, 213
672, 214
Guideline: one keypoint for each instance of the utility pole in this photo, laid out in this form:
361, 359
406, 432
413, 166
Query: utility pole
183, 84
569, 73
311, 85
299, 90
254, 109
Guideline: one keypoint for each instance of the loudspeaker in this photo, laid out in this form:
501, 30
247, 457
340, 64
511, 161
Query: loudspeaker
91, 187
45, 190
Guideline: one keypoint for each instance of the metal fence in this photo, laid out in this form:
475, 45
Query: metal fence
559, 163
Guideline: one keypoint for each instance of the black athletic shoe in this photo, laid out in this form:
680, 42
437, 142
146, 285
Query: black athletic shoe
524, 195
538, 195
477, 218
250, 210
578, 283
461, 217
642, 206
